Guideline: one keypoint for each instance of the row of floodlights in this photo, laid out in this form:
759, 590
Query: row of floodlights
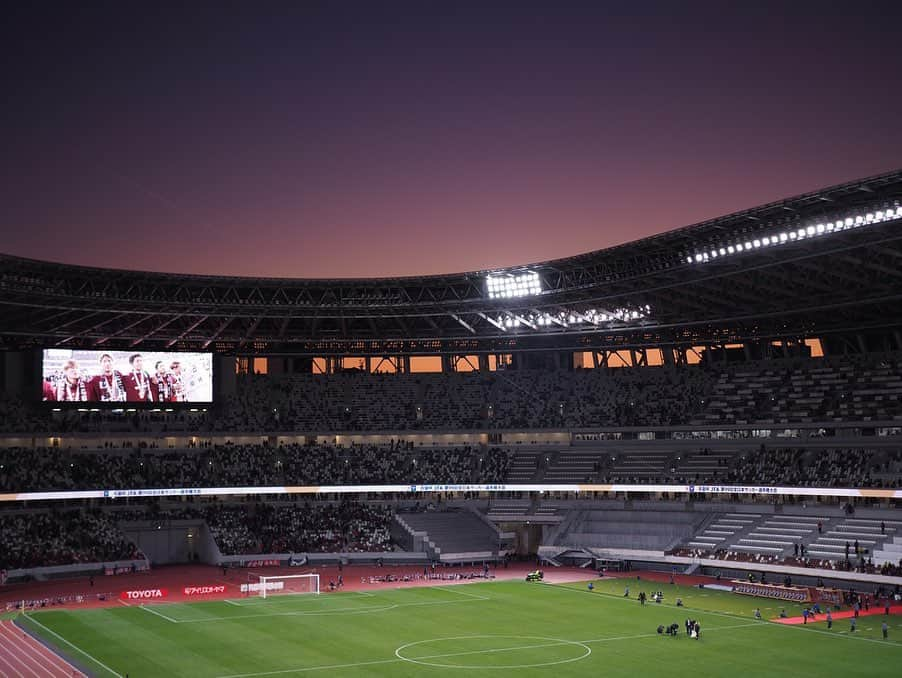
156, 409
565, 319
510, 286
812, 231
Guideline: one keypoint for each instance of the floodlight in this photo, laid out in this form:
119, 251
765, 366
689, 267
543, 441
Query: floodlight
508, 286
808, 231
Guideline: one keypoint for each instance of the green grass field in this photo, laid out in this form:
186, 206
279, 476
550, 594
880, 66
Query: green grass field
467, 630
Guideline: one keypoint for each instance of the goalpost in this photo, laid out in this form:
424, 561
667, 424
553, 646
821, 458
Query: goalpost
266, 586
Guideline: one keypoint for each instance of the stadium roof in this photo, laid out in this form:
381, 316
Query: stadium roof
824, 262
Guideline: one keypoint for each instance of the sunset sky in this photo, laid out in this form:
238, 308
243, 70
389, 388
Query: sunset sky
378, 139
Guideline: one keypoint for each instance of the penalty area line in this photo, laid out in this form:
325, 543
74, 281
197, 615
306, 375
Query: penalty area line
451, 588
160, 614
368, 609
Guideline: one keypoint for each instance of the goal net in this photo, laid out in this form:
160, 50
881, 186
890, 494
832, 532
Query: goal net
266, 586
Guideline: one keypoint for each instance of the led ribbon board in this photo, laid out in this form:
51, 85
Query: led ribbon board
876, 493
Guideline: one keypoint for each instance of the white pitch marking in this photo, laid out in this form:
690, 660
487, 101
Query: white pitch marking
347, 610
556, 642
800, 627
160, 614
74, 647
389, 661
453, 589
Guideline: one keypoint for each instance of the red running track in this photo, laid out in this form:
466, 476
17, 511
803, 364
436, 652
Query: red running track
844, 614
21, 656
356, 578
176, 577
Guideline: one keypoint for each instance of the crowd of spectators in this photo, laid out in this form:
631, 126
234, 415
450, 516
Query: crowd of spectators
246, 465
841, 388
816, 468
228, 465
61, 538
38, 539
864, 566
349, 527
502, 399
311, 527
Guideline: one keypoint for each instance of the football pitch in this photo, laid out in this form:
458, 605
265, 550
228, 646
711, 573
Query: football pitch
485, 629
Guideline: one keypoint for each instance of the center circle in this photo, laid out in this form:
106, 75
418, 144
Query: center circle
504, 644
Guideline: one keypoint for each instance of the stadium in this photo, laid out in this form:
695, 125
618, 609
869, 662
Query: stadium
223, 476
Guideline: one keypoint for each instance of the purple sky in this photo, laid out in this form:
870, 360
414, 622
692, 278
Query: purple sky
397, 140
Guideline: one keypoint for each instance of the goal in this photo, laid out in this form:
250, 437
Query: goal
280, 585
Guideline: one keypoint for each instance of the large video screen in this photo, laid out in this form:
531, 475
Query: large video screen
151, 377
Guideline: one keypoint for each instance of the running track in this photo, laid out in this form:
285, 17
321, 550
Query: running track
21, 656
844, 614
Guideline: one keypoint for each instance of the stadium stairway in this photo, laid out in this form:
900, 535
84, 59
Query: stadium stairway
889, 552
724, 529
631, 529
524, 467
448, 533
832, 544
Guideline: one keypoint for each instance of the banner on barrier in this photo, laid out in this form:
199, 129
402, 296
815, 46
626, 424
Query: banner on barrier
265, 562
144, 594
204, 590
270, 586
